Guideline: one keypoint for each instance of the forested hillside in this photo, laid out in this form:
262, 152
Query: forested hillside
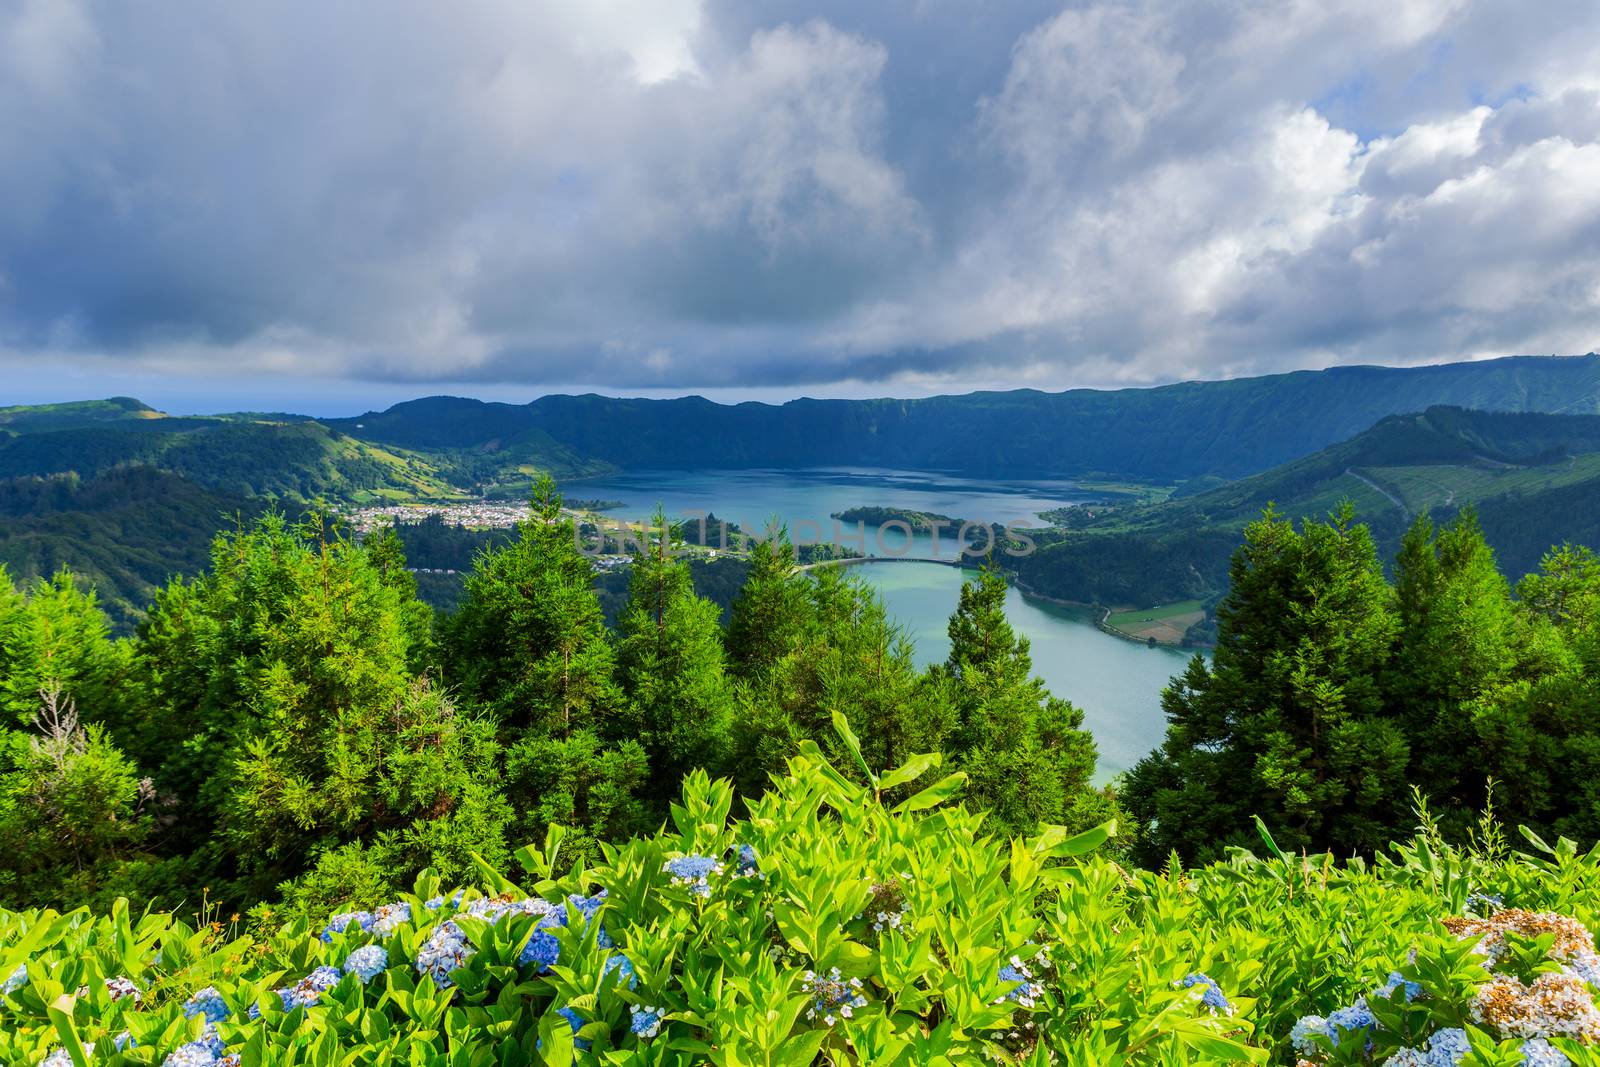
1534, 480
1173, 432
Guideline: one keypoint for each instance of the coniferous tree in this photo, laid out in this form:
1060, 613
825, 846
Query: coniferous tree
767, 617
1028, 759
670, 664
54, 637
530, 640
530, 643
1457, 641
1290, 720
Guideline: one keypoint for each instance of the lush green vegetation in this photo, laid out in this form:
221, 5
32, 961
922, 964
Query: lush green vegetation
1332, 690
1534, 480
846, 919
295, 751
290, 722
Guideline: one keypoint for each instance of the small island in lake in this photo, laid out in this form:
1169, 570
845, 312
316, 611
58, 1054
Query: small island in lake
917, 520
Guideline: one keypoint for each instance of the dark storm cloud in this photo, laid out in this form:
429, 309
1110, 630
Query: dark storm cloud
918, 193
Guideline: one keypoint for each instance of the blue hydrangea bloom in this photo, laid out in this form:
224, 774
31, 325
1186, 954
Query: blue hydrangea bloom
1213, 997
445, 950
577, 1022
1385, 991
1025, 991
207, 1002
693, 873
1356, 1017
390, 917
194, 1054
1304, 1032
16, 980
367, 962
309, 989
646, 1022
746, 865
541, 952
340, 922
125, 1040
212, 1040
57, 1058
624, 968
1537, 1052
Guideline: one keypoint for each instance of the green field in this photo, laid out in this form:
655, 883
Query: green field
1166, 623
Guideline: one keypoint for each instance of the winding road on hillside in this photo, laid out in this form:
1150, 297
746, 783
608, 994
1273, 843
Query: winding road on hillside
1396, 501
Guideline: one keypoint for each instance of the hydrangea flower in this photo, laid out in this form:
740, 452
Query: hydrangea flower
121, 987
57, 1058
1537, 1052
590, 907
339, 923
444, 951
1026, 992
624, 968
746, 866
367, 962
1213, 996
693, 873
125, 1040
15, 981
1385, 991
646, 1021
832, 996
389, 918
309, 989
207, 1002
1305, 1031
1349, 1020
577, 1022
194, 1054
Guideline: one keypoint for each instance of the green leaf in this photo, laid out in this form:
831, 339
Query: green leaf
934, 795
61, 1018
911, 770
842, 726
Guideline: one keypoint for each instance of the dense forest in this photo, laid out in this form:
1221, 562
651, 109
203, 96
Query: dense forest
293, 724
716, 811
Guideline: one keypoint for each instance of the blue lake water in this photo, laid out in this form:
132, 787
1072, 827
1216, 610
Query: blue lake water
1117, 683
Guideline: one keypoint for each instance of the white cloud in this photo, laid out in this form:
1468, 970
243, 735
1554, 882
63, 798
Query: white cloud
651, 193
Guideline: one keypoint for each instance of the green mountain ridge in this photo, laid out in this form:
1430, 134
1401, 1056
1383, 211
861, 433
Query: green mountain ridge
1533, 478
1165, 433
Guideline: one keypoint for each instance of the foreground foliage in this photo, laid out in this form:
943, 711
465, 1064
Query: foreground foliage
828, 926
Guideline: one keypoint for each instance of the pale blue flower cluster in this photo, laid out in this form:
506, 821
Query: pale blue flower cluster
1537, 1052
1445, 1048
446, 949
207, 1002
208, 1051
15, 981
832, 996
693, 873
747, 866
1025, 991
343, 921
309, 989
1386, 991
1213, 996
367, 962
390, 917
646, 1022
624, 968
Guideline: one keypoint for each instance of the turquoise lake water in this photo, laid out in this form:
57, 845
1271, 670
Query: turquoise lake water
1117, 683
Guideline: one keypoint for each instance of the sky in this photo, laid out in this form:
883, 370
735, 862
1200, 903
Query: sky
328, 206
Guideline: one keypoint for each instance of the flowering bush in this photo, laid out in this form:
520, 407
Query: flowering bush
1032, 951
